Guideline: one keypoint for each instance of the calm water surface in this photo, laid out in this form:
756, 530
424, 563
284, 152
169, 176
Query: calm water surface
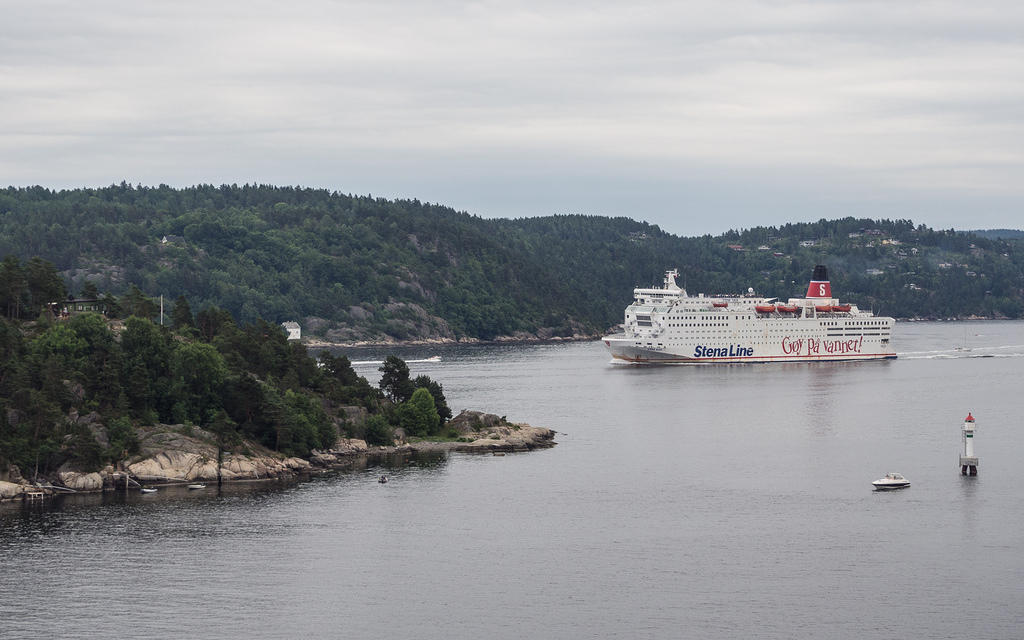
704, 502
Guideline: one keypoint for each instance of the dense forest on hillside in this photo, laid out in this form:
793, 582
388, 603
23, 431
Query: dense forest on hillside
999, 234
74, 388
361, 268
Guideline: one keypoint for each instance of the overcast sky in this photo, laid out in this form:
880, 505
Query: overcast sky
696, 116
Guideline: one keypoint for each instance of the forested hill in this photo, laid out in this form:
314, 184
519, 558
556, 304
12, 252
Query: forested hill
997, 234
362, 268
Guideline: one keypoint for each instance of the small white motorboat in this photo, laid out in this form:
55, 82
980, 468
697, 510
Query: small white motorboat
891, 481
198, 485
147, 490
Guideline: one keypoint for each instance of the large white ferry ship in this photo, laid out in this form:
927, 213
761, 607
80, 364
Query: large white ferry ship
666, 325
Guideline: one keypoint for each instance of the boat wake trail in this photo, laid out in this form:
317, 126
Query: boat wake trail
355, 363
1003, 351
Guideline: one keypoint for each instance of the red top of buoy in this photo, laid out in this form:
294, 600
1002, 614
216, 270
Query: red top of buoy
969, 417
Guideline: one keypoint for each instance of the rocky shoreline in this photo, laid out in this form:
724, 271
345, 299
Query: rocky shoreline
176, 454
543, 337
522, 338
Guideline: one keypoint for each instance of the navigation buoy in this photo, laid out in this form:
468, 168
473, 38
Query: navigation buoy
968, 461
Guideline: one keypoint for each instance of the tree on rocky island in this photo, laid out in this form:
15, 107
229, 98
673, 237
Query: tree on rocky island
437, 391
226, 432
12, 286
396, 383
44, 284
198, 372
146, 376
112, 306
339, 368
26, 290
378, 431
418, 416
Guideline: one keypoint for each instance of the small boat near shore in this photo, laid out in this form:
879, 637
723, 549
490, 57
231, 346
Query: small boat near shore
197, 485
891, 481
147, 490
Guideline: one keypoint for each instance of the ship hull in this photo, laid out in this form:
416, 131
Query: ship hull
626, 350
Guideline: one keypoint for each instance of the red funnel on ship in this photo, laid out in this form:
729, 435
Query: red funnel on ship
819, 287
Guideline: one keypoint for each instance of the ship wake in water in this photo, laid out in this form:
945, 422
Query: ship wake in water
369, 362
1003, 351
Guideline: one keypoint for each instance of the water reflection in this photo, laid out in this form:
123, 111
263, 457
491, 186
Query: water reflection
820, 394
197, 510
970, 493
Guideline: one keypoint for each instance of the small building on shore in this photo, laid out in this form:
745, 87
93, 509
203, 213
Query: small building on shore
293, 329
73, 306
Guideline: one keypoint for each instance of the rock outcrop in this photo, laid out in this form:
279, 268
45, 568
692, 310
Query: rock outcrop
350, 446
10, 490
81, 481
483, 432
478, 433
488, 432
176, 454
514, 437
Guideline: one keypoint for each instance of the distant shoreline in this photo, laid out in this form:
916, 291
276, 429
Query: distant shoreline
315, 343
964, 319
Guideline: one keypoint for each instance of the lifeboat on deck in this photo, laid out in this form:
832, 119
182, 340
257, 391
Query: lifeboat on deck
720, 305
787, 308
764, 308
823, 308
841, 308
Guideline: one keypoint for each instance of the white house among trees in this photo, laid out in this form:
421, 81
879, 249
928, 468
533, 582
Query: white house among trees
293, 329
